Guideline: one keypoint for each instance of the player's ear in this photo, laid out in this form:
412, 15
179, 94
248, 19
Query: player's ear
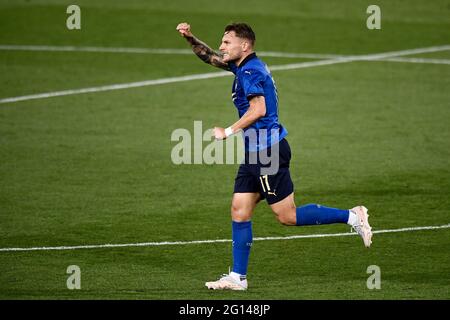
245, 45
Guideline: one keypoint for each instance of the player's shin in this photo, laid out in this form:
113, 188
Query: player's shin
242, 242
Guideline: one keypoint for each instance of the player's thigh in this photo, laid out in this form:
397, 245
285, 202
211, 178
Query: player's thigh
243, 205
285, 210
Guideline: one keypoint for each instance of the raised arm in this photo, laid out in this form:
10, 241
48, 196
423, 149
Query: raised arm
201, 49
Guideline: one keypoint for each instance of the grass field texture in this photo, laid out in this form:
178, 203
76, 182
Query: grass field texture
95, 168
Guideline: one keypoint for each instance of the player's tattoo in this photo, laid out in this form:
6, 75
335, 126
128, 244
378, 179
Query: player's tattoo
208, 55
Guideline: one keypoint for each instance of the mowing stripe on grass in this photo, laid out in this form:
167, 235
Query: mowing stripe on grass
173, 243
370, 57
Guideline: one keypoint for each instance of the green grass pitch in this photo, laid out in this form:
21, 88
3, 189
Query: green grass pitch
95, 168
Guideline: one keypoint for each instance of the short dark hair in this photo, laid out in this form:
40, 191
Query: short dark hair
242, 30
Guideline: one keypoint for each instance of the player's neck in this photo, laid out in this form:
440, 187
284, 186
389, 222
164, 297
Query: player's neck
239, 61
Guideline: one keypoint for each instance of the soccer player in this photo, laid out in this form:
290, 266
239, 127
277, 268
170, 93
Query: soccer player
255, 96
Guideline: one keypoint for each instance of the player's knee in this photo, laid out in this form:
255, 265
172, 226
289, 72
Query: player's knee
240, 214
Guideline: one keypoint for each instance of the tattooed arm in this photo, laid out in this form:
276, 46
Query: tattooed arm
202, 50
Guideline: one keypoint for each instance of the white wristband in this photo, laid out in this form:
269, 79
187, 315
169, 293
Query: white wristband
228, 132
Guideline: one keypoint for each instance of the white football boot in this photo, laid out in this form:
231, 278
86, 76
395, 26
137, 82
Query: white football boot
229, 281
362, 226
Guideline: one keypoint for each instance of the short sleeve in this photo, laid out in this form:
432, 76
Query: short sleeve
252, 82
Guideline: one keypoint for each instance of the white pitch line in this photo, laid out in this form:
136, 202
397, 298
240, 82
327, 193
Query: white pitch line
175, 51
94, 49
370, 57
154, 51
172, 243
116, 86
419, 60
394, 54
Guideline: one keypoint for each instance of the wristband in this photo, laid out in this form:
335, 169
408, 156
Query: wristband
228, 132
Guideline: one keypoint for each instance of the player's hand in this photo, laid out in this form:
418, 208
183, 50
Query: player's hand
184, 29
219, 133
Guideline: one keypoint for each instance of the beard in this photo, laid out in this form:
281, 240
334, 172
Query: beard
226, 57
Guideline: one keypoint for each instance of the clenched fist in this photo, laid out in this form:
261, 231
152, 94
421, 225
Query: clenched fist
219, 133
184, 29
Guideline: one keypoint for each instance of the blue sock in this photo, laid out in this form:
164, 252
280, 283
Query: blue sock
242, 243
317, 214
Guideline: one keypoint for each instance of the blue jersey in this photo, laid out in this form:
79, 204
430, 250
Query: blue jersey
252, 79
